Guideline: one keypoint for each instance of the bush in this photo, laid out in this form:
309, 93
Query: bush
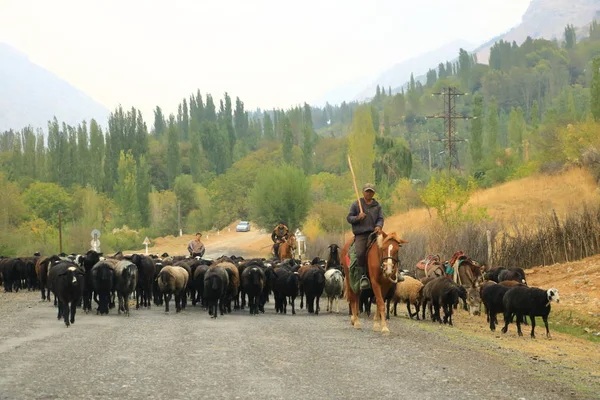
331, 216
121, 239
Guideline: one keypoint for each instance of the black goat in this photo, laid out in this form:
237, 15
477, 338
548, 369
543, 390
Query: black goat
521, 300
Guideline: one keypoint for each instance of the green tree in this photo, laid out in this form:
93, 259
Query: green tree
289, 198
387, 129
476, 141
449, 199
269, 133
535, 115
570, 37
143, 190
96, 155
288, 140
516, 129
173, 154
595, 90
40, 157
126, 191
83, 154
375, 119
186, 193
195, 162
361, 145
46, 199
185, 121
160, 126
492, 126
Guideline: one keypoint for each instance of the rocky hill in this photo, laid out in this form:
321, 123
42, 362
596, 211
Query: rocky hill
32, 95
547, 19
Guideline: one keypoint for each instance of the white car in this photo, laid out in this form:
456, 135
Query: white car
243, 226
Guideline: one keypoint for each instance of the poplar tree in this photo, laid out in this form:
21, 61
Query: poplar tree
288, 140
126, 193
269, 132
595, 89
143, 190
160, 126
96, 155
476, 142
173, 155
492, 126
361, 145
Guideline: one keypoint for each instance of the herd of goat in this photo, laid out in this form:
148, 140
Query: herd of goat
77, 280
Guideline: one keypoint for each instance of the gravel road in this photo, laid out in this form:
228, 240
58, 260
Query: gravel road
154, 355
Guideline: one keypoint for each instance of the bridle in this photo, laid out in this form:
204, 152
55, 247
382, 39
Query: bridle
395, 261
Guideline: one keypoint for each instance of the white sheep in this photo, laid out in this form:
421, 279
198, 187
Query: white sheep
334, 288
407, 291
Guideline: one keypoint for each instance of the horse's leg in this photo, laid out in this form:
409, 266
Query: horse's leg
380, 311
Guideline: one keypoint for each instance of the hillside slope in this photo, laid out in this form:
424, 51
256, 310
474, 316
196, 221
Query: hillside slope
547, 19
31, 95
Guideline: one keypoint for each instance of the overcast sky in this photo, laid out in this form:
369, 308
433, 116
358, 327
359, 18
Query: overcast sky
270, 53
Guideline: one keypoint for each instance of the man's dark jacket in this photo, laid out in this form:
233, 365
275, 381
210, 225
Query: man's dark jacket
367, 225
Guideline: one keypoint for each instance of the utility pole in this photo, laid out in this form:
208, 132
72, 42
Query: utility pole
450, 116
60, 249
179, 218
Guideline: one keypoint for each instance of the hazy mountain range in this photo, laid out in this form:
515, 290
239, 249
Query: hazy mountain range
32, 95
543, 18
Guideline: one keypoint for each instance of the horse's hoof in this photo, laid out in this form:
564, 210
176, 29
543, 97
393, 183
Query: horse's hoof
376, 327
357, 324
385, 330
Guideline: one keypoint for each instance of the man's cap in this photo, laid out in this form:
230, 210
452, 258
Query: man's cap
199, 233
369, 186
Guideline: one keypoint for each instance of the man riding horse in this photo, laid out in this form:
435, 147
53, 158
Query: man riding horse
280, 234
363, 225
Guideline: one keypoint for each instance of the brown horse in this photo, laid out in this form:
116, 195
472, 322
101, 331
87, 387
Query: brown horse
383, 264
286, 248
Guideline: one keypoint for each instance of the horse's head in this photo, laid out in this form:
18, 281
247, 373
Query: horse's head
292, 241
389, 247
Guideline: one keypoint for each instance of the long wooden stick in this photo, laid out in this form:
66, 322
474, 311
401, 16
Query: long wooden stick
354, 182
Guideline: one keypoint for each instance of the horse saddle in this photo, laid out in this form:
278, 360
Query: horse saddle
430, 259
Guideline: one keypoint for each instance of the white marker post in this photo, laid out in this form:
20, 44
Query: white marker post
146, 243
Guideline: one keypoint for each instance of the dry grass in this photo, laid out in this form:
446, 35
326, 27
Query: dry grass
522, 201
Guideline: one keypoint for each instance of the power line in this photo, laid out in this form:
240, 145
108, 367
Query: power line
450, 116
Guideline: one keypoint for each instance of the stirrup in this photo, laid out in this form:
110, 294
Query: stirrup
365, 283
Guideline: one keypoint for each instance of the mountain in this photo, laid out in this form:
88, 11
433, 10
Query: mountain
547, 19
32, 95
400, 73
345, 92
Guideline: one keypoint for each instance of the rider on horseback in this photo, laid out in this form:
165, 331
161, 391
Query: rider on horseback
363, 225
280, 234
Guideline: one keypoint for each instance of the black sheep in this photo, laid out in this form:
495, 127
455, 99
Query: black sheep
492, 274
216, 282
441, 293
126, 276
285, 285
143, 291
103, 283
521, 301
313, 283
512, 274
492, 296
253, 283
66, 280
333, 261
87, 261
